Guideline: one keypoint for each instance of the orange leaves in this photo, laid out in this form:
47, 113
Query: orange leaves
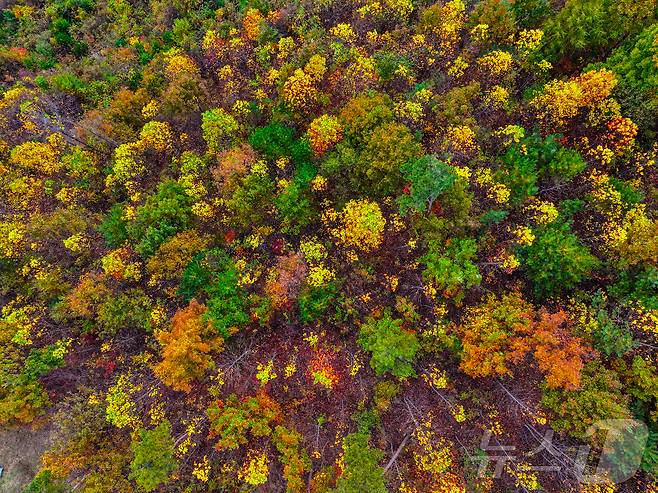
622, 132
286, 279
252, 23
488, 334
505, 331
186, 348
324, 132
321, 370
558, 353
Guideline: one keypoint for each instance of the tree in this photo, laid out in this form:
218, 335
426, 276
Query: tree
127, 310
558, 353
233, 419
153, 457
390, 146
504, 331
488, 333
556, 261
227, 303
187, 347
324, 132
393, 348
362, 470
428, 178
295, 459
592, 26
361, 225
599, 397
364, 113
218, 128
633, 63
449, 266
163, 214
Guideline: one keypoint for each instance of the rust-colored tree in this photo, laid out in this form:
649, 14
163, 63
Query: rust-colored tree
187, 347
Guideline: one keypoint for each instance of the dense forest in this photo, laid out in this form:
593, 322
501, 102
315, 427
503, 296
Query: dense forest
330, 246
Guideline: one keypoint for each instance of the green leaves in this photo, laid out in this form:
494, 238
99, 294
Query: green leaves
362, 471
428, 178
393, 348
214, 273
233, 419
218, 128
599, 397
450, 268
153, 457
163, 214
557, 260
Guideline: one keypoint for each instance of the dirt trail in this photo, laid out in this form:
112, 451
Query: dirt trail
20, 453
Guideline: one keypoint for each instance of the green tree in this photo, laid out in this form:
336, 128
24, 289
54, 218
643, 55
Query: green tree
218, 128
362, 470
449, 267
599, 397
634, 64
163, 214
393, 348
428, 178
153, 457
232, 419
557, 260
586, 28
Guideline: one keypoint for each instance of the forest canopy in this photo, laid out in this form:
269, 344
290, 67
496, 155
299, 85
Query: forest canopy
316, 246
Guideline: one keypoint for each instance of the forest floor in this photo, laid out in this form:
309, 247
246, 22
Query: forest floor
20, 453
